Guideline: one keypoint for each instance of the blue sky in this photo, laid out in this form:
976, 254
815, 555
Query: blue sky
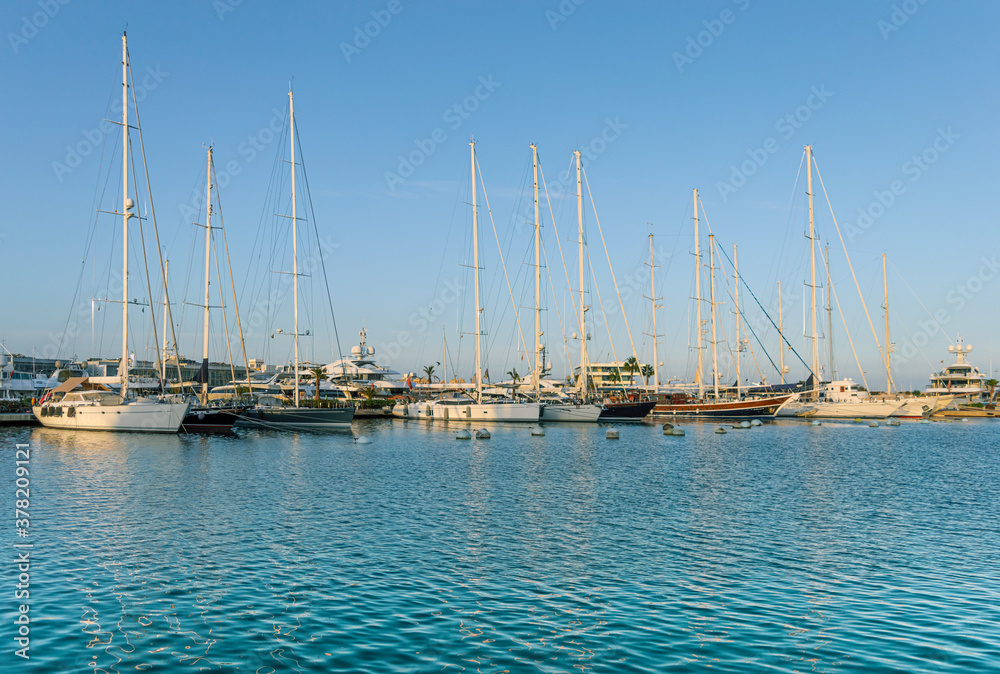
899, 101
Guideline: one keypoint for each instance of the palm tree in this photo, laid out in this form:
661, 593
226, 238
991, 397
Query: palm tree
615, 375
514, 375
632, 366
318, 375
429, 371
646, 372
992, 383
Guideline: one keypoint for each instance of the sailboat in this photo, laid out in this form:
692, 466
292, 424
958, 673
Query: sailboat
555, 406
271, 413
716, 405
482, 408
94, 407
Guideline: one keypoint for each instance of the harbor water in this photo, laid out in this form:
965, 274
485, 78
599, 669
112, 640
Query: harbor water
787, 547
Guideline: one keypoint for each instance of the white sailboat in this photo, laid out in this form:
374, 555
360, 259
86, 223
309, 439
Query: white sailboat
104, 410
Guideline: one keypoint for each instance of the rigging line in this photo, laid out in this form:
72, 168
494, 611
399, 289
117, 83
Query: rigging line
517, 315
232, 285
319, 246
145, 263
850, 340
555, 229
222, 302
608, 255
771, 321
555, 301
152, 213
600, 303
891, 382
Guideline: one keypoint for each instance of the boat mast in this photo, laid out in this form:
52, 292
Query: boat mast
583, 308
812, 267
736, 304
888, 362
444, 348
475, 258
699, 376
208, 253
652, 298
829, 312
295, 249
781, 337
163, 363
126, 214
538, 279
711, 278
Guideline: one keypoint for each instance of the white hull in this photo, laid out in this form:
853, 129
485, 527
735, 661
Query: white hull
529, 412
861, 410
570, 412
915, 408
149, 417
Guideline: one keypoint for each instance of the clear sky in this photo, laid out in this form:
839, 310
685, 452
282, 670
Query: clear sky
898, 99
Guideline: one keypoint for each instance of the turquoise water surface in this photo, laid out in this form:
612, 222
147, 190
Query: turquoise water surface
789, 548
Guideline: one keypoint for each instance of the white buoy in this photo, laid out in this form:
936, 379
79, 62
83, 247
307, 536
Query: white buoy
756, 422
873, 424
482, 434
362, 440
925, 421
744, 424
667, 427
892, 422
720, 430
463, 435
612, 434
538, 431
676, 431
817, 423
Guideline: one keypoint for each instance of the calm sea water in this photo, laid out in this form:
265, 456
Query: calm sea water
793, 548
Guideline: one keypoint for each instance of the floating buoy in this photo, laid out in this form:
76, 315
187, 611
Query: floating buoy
756, 422
667, 427
858, 420
925, 421
538, 431
676, 431
744, 424
892, 422
463, 435
817, 423
482, 434
720, 430
873, 424
362, 440
612, 434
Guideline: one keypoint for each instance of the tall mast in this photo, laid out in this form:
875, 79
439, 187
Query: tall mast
126, 214
208, 253
295, 245
699, 375
475, 262
583, 307
444, 354
888, 362
163, 360
781, 337
652, 298
736, 304
812, 272
711, 279
538, 278
829, 313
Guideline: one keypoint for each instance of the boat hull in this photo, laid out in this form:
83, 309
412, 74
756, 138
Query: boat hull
734, 409
571, 412
298, 418
626, 411
210, 420
864, 410
138, 417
